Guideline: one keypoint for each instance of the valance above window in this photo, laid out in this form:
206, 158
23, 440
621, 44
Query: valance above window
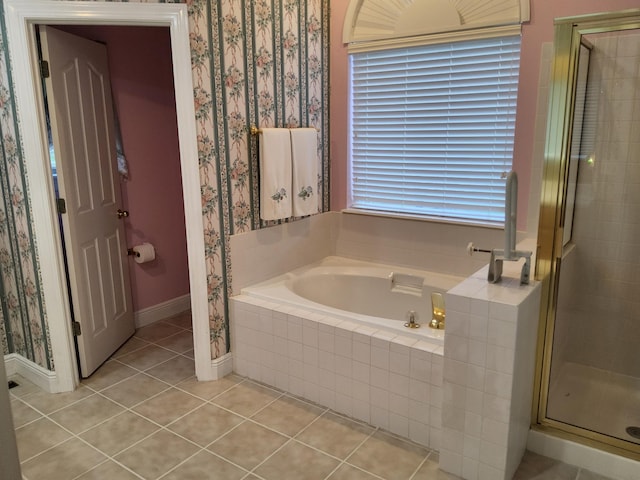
375, 20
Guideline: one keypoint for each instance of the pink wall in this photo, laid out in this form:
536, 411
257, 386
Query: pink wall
538, 31
142, 82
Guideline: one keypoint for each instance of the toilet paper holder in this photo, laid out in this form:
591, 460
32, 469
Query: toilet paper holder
143, 253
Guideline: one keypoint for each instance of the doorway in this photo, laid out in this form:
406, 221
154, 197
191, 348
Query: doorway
22, 15
141, 78
588, 259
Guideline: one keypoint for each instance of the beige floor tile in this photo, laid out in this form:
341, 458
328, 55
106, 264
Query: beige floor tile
587, 475
157, 331
189, 354
295, 461
537, 467
108, 470
39, 436
118, 433
157, 454
182, 320
147, 357
349, 472
287, 415
22, 413
248, 445
24, 388
86, 413
336, 435
180, 342
430, 470
130, 346
388, 456
108, 374
246, 398
135, 389
48, 403
206, 466
174, 370
63, 462
205, 424
210, 389
168, 406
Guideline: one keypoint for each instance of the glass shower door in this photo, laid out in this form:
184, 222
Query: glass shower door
594, 374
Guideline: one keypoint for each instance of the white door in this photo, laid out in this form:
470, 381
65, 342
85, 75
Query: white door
81, 115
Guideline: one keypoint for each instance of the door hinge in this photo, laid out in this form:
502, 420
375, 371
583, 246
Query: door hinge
62, 205
77, 331
44, 69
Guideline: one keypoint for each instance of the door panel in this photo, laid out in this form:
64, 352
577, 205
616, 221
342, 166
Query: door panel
82, 127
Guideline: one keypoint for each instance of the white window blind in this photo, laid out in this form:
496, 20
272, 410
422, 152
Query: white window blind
432, 128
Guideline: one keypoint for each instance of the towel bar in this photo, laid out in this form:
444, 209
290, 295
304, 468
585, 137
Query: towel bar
253, 130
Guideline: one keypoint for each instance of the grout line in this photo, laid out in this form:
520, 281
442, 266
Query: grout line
177, 386
289, 440
180, 463
145, 344
415, 472
373, 432
108, 459
344, 461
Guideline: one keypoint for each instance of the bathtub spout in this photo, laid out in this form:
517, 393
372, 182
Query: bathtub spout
438, 313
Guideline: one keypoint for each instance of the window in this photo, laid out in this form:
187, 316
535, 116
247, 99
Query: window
432, 128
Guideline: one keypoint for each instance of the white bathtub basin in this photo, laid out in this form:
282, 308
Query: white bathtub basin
362, 292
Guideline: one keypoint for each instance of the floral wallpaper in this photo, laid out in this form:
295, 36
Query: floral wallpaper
254, 62
23, 324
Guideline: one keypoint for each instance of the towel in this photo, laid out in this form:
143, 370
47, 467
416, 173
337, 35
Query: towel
304, 153
275, 174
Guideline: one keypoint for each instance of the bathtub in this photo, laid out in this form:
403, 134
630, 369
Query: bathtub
333, 333
376, 295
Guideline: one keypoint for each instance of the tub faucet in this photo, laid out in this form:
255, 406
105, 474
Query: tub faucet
510, 221
438, 312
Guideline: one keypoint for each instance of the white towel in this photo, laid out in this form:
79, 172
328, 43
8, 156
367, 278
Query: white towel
275, 174
304, 152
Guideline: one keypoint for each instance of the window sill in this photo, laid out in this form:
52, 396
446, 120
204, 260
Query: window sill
424, 218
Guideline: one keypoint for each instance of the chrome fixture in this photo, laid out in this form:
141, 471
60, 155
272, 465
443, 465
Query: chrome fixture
509, 253
437, 311
412, 317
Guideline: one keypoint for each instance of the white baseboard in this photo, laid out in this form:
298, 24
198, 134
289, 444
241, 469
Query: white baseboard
43, 378
162, 310
598, 461
222, 366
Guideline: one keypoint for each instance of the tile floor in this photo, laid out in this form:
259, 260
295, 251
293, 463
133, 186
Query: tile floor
143, 415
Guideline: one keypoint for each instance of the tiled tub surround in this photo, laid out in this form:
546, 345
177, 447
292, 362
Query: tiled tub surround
437, 247
387, 380
489, 361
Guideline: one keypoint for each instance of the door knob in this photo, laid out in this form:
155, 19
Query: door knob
122, 213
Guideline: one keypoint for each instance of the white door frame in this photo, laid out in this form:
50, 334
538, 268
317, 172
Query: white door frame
21, 16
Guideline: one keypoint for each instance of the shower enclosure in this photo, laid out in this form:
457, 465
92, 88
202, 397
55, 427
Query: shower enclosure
589, 237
